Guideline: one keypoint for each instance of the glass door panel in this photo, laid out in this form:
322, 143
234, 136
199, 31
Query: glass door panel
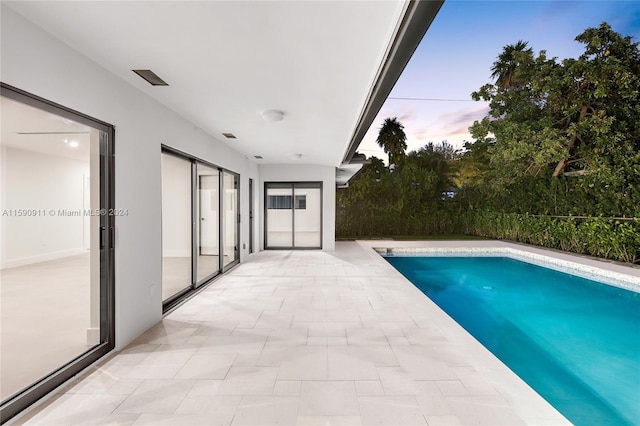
293, 215
307, 210
176, 225
230, 222
54, 244
279, 217
208, 225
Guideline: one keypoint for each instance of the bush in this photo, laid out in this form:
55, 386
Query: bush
597, 236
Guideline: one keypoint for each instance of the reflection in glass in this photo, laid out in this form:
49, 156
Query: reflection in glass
279, 219
307, 219
208, 200
230, 223
49, 253
176, 225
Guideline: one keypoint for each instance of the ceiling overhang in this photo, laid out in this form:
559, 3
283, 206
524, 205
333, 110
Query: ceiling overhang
327, 66
415, 23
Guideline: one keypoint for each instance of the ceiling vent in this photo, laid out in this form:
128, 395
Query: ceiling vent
229, 135
151, 77
258, 157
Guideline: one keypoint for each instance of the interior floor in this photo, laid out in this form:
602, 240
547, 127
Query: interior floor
45, 317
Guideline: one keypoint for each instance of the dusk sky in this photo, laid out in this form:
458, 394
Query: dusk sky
455, 57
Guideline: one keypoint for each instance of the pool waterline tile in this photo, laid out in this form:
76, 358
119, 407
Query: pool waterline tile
591, 272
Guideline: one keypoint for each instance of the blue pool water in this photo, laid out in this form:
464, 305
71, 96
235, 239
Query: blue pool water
573, 340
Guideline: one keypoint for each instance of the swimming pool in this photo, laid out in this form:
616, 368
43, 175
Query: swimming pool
574, 340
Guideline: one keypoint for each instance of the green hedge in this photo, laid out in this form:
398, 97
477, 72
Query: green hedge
597, 236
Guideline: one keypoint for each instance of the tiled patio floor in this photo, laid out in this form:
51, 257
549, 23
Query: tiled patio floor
301, 338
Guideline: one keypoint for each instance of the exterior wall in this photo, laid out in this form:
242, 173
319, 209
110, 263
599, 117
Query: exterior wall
34, 61
303, 173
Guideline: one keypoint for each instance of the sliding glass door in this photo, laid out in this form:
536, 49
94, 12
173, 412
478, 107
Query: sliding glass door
279, 215
293, 215
231, 218
56, 252
307, 215
176, 226
200, 226
207, 223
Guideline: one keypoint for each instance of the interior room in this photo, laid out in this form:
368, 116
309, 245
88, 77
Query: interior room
48, 266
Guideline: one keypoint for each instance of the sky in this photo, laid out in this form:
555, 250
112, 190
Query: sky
457, 52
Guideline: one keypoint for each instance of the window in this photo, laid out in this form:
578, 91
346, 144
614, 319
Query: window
279, 202
301, 202
283, 202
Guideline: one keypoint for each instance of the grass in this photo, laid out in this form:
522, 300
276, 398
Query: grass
445, 237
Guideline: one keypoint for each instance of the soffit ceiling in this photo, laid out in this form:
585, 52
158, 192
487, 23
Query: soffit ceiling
227, 62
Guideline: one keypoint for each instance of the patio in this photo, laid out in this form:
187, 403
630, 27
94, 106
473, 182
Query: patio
306, 338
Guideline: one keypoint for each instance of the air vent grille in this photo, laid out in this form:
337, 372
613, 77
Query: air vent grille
151, 77
229, 135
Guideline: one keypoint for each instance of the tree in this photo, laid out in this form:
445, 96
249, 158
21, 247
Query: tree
441, 159
579, 115
392, 139
513, 58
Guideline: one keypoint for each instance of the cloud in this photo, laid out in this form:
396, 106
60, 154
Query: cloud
407, 118
458, 122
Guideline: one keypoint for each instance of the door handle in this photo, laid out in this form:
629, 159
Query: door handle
102, 235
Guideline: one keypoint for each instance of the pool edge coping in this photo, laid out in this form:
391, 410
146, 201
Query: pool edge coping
590, 272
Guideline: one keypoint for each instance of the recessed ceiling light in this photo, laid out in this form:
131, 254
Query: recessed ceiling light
258, 157
229, 135
151, 77
74, 144
273, 115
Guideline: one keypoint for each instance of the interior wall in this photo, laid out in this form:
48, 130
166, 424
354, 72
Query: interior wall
34, 61
303, 173
33, 180
176, 207
307, 219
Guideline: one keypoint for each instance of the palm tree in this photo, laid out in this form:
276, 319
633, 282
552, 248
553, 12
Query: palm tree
505, 69
392, 139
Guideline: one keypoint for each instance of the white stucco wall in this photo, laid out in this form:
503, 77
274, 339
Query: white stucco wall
34, 61
305, 173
